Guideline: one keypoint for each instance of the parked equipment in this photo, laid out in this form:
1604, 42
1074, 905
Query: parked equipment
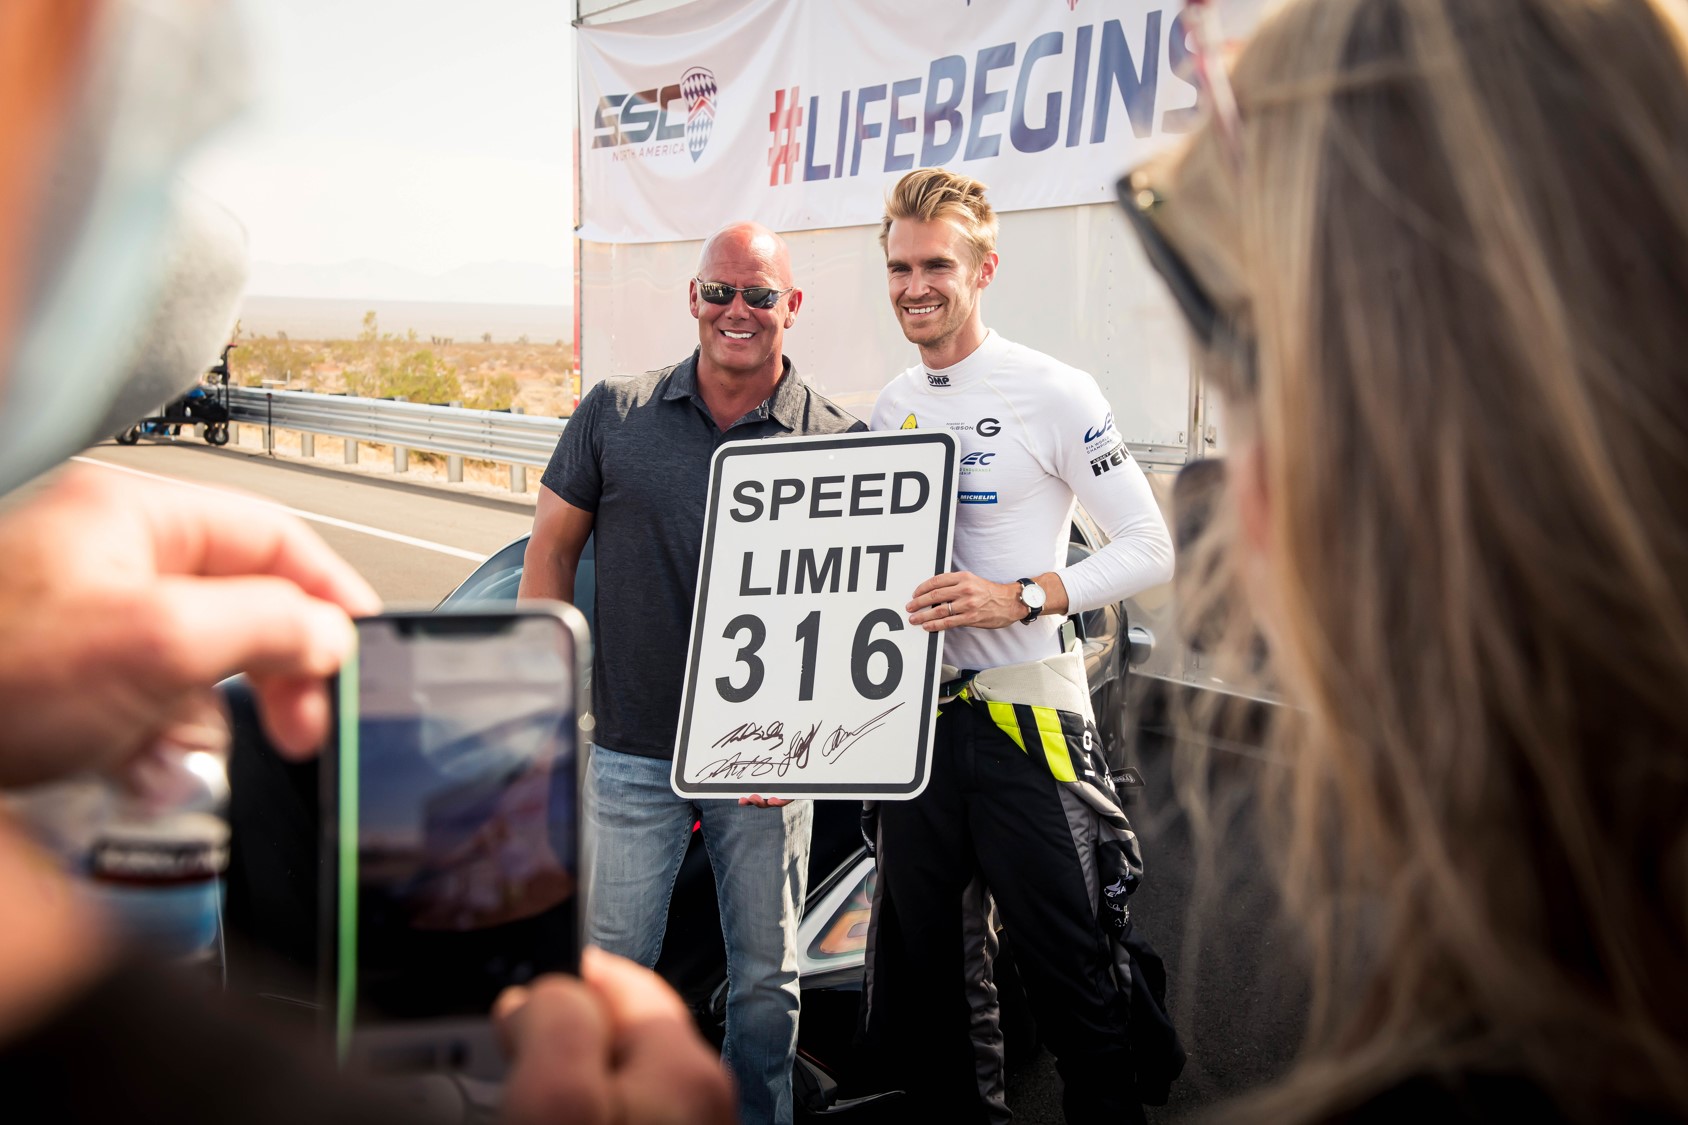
200, 406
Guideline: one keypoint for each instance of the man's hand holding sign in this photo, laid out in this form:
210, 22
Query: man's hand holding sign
804, 677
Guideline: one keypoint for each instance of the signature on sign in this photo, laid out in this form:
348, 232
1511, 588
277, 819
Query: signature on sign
769, 751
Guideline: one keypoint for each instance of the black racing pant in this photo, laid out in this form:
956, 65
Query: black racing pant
990, 812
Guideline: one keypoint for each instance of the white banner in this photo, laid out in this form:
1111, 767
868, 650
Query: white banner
805, 678
800, 114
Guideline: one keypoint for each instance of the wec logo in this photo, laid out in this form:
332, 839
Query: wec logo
663, 121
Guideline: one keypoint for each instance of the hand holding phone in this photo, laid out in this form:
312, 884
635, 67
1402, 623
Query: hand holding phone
618, 1046
451, 797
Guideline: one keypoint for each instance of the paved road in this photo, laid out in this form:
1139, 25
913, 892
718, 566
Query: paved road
414, 543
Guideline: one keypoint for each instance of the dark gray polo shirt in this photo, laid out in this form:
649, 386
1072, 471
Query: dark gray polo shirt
636, 454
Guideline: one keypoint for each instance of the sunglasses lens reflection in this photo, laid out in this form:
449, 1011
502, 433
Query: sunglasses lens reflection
720, 293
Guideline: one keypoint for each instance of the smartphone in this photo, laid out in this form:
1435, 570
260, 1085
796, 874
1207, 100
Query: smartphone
451, 834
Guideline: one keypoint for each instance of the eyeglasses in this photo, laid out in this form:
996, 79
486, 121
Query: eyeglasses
756, 296
1211, 327
1137, 192
1141, 200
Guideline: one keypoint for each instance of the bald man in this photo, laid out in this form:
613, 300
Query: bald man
633, 468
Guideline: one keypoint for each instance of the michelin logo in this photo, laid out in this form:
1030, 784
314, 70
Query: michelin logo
978, 497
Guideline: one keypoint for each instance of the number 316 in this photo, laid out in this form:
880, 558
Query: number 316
808, 635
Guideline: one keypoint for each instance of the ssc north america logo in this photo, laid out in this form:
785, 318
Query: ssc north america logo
664, 121
698, 87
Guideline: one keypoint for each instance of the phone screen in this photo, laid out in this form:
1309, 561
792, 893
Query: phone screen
455, 826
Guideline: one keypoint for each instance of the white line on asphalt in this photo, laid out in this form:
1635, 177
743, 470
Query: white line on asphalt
409, 541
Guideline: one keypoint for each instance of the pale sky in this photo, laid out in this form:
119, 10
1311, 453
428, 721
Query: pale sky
426, 134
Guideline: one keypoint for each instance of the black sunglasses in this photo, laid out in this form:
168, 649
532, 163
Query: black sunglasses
1211, 327
1141, 200
756, 296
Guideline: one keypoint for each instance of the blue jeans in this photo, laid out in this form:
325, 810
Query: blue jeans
637, 830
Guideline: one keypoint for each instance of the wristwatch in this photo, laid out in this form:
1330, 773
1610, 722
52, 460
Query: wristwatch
1032, 597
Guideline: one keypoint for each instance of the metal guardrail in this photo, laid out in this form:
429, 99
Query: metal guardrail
491, 435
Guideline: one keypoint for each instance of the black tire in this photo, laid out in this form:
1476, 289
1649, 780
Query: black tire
129, 436
217, 434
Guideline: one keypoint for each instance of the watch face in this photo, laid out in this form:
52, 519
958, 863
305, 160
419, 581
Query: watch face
1032, 594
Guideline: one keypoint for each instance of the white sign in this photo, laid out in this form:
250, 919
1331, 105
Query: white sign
805, 678
801, 114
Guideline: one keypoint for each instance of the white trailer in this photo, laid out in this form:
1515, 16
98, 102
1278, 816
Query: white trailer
1069, 93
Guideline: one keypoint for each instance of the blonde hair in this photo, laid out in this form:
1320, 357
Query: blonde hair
1456, 236
929, 194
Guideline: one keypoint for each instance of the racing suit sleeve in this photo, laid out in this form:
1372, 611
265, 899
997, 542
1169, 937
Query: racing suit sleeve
1090, 455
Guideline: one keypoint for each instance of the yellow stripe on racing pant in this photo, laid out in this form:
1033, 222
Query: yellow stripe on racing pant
1052, 731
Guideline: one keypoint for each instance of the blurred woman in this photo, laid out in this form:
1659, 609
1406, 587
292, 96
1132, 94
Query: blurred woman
1437, 255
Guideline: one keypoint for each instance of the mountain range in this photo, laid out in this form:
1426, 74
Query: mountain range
363, 279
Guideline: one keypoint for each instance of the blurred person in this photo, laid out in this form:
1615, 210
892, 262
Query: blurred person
1027, 812
632, 469
1436, 260
110, 282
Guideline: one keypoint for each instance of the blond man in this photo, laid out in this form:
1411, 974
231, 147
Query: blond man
1000, 813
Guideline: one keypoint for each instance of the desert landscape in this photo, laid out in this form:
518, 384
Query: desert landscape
483, 374
488, 373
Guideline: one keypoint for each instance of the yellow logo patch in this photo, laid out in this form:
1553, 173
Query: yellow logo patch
910, 424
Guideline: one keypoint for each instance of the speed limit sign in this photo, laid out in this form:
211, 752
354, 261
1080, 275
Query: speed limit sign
805, 678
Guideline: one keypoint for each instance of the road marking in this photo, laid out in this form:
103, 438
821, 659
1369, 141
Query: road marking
313, 517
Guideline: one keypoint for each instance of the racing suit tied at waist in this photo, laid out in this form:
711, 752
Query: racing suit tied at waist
1044, 707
